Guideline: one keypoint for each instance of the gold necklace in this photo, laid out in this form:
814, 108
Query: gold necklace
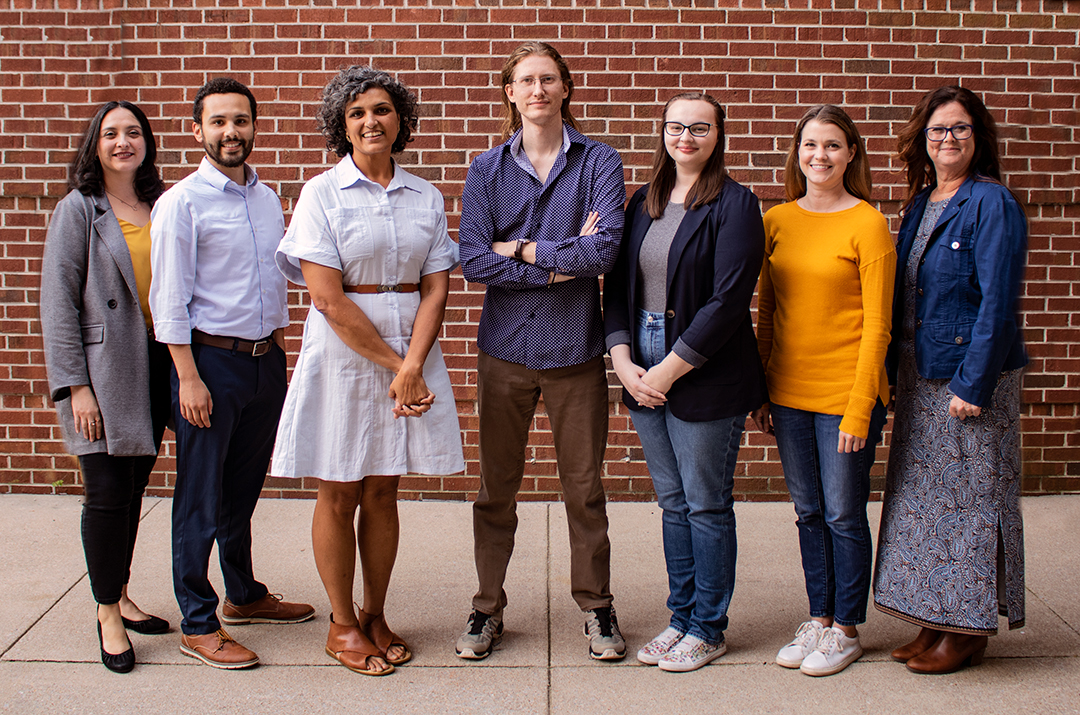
125, 203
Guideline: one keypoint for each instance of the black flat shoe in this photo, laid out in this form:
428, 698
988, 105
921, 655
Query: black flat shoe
150, 627
123, 663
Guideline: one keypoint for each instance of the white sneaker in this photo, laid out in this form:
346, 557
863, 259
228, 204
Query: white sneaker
690, 654
806, 640
834, 652
657, 648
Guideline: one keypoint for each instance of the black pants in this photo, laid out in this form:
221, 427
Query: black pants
113, 490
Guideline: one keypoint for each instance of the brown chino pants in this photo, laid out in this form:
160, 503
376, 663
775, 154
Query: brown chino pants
577, 406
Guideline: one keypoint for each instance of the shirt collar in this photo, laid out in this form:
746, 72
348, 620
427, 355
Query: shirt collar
348, 174
215, 178
518, 153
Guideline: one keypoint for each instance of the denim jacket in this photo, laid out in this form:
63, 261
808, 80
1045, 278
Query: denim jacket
969, 280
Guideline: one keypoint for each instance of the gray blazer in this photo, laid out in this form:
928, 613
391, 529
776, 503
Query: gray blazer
93, 327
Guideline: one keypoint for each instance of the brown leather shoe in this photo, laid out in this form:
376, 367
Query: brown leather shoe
349, 646
950, 653
926, 638
218, 650
268, 609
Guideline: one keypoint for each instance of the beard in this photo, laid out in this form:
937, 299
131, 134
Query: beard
231, 162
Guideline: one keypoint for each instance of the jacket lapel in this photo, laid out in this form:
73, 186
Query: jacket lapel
689, 226
953, 208
107, 226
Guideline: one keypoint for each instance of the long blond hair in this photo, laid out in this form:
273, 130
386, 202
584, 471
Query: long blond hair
511, 117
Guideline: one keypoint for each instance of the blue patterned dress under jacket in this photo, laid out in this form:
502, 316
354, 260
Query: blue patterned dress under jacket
950, 550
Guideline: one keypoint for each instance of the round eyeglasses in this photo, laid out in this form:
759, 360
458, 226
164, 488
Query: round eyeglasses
676, 129
547, 80
958, 131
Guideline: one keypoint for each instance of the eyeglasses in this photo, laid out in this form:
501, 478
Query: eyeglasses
959, 132
546, 81
676, 129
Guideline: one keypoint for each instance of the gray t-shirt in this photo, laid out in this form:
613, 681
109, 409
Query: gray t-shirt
653, 257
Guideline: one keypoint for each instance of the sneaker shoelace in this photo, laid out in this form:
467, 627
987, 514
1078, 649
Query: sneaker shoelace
604, 618
806, 635
829, 642
477, 622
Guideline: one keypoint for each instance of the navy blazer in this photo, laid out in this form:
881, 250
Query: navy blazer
713, 266
969, 281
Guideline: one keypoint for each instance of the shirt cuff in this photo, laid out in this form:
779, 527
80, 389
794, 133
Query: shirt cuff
689, 354
545, 256
619, 337
172, 332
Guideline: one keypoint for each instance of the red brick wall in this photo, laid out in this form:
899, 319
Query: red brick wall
765, 60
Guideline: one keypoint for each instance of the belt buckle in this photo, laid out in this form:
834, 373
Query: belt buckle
255, 347
384, 288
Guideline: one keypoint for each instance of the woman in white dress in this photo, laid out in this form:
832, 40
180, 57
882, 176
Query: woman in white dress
369, 241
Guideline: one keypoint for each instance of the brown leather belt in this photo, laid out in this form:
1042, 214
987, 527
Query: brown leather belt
398, 288
255, 348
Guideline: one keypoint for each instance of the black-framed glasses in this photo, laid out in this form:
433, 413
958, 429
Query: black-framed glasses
958, 131
698, 129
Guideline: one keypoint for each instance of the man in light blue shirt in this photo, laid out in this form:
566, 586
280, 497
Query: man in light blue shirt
219, 302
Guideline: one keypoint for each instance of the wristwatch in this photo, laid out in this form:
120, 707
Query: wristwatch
521, 243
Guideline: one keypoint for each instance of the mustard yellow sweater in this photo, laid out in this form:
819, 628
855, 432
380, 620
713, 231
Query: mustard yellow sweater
824, 310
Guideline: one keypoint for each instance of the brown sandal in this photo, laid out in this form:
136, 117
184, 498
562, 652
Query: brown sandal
384, 639
349, 646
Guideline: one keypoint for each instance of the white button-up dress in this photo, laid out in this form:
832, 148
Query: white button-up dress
337, 423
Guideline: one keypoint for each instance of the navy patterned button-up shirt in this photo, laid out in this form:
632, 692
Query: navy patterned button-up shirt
525, 320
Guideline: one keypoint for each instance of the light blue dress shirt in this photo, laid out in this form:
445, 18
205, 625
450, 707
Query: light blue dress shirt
212, 252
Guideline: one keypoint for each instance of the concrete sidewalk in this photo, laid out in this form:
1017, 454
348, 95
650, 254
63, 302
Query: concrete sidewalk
50, 662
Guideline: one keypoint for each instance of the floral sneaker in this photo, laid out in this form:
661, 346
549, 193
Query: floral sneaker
690, 654
657, 648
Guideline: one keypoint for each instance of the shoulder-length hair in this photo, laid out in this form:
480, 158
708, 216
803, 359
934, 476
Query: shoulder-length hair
911, 141
349, 84
662, 179
856, 175
85, 174
511, 117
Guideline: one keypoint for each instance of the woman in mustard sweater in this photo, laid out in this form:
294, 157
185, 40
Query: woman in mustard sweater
824, 306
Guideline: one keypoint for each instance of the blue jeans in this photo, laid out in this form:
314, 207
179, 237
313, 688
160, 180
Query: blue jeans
830, 491
692, 466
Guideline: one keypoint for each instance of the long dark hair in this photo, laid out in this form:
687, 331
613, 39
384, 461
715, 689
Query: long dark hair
911, 142
662, 178
856, 175
88, 178
511, 117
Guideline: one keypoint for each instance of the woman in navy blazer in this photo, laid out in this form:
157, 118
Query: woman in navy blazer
678, 327
950, 551
108, 377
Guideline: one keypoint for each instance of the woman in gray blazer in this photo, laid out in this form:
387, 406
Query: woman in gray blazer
107, 375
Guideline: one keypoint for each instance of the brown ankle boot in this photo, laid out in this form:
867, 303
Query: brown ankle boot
926, 638
950, 653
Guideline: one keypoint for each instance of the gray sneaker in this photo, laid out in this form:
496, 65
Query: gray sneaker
484, 633
602, 630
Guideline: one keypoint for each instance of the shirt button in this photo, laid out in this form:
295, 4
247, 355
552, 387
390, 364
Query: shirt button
920, 291
918, 323
111, 303
955, 245
670, 314
959, 340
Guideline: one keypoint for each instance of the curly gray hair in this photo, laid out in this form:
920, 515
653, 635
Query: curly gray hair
351, 82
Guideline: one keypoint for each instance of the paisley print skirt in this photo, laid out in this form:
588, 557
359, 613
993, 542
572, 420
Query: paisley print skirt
951, 547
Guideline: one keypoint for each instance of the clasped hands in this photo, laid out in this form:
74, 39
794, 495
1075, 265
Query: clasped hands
410, 393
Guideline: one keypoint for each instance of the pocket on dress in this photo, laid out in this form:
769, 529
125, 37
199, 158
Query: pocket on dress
351, 230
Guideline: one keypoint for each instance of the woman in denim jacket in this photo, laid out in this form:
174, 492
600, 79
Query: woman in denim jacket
950, 551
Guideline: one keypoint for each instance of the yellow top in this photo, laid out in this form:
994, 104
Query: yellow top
825, 310
138, 241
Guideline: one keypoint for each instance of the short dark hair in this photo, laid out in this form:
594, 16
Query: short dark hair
662, 177
350, 83
911, 141
221, 85
85, 174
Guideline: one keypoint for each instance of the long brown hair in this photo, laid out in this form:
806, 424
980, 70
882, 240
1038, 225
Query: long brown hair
856, 175
662, 179
85, 173
511, 117
911, 141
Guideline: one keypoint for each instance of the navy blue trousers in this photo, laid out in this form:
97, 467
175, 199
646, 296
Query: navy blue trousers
219, 474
